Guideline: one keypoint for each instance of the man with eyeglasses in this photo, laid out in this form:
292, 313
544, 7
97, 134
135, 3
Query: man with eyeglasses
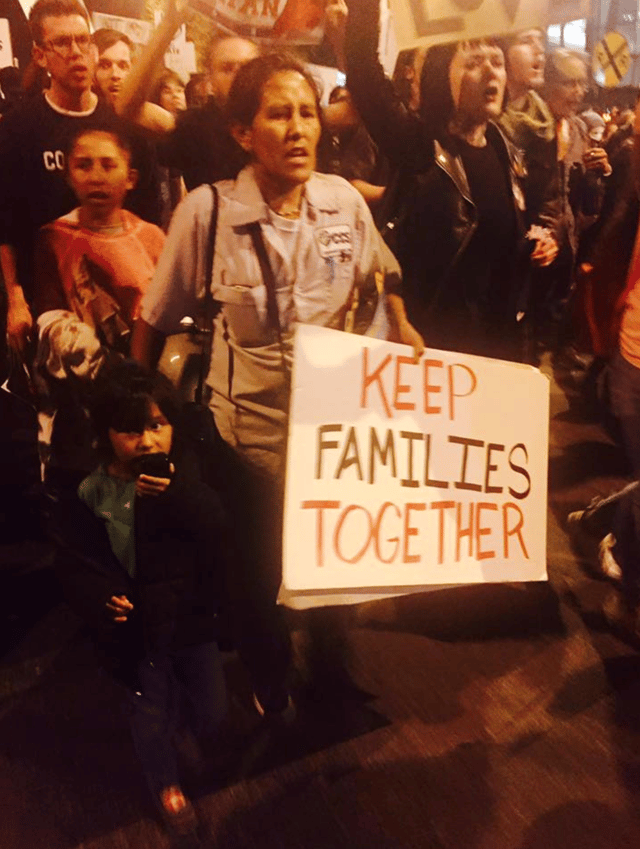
579, 166
33, 189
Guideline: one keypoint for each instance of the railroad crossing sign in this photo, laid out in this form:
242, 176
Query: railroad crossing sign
611, 60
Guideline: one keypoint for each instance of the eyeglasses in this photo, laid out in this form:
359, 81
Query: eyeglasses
63, 44
581, 84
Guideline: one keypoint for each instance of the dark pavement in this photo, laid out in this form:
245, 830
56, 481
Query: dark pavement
486, 717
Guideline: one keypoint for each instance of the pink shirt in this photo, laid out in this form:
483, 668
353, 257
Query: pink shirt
92, 273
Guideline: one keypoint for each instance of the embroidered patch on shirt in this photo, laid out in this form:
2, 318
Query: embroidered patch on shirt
334, 240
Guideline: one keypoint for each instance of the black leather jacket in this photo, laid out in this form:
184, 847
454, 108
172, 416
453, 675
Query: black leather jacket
431, 210
436, 223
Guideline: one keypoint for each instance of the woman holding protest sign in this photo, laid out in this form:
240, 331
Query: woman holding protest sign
456, 218
289, 246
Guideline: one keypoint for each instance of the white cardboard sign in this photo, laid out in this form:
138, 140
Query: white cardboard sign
6, 54
405, 476
269, 21
425, 22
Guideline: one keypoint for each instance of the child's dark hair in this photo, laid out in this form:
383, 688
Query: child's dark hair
166, 78
121, 400
110, 126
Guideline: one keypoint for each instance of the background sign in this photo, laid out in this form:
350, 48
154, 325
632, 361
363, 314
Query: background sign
6, 54
434, 21
138, 31
290, 21
403, 476
611, 60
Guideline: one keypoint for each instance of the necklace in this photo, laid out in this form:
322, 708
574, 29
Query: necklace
290, 214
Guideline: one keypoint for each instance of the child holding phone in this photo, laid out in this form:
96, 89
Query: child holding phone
144, 546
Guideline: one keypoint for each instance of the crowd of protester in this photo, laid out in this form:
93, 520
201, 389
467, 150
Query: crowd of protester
500, 212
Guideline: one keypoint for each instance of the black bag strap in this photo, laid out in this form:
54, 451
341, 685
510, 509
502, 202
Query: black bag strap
273, 314
211, 307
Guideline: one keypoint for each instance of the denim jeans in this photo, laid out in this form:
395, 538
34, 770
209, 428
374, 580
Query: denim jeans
185, 683
624, 387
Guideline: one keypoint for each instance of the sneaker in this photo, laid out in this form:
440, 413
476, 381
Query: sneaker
608, 564
575, 518
282, 711
177, 810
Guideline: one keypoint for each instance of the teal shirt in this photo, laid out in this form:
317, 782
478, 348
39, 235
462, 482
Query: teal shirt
112, 500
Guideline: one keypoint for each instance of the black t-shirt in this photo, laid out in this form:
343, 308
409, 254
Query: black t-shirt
487, 263
202, 148
33, 186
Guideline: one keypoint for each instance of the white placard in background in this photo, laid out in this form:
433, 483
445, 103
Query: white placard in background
138, 31
6, 54
436, 21
404, 476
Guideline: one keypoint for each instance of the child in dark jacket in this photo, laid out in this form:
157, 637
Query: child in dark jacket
143, 564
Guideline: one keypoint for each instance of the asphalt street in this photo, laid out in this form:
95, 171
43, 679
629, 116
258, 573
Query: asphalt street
477, 717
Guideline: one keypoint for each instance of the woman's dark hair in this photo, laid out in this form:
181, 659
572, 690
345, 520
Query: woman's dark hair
436, 102
122, 397
191, 93
105, 38
166, 77
246, 91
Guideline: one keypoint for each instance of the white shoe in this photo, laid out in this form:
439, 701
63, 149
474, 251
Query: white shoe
285, 715
575, 517
608, 564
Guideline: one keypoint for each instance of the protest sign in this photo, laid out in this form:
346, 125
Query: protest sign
290, 21
138, 31
403, 476
6, 54
425, 22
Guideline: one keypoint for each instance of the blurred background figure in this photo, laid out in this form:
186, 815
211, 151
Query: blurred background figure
115, 51
201, 147
113, 67
170, 93
348, 150
196, 91
10, 90
406, 76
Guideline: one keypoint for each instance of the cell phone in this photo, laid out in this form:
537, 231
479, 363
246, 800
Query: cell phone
154, 465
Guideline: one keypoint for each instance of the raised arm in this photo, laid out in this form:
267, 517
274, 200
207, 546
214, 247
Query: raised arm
400, 135
132, 102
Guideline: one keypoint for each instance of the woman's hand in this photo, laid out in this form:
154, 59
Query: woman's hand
401, 329
545, 251
148, 485
408, 335
120, 607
